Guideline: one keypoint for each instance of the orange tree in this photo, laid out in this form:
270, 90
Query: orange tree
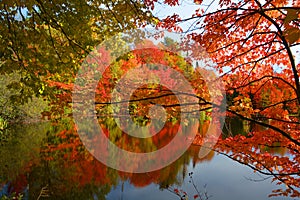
254, 46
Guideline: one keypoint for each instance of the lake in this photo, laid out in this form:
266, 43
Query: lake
47, 161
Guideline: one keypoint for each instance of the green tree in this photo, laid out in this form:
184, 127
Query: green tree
48, 40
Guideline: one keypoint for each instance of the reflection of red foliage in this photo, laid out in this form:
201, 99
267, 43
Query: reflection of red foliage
142, 179
87, 171
145, 179
194, 149
165, 135
18, 185
82, 167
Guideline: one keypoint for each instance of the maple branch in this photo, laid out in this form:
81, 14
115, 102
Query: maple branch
71, 41
269, 173
270, 45
137, 9
243, 40
205, 102
262, 85
280, 146
277, 103
279, 34
246, 52
250, 62
219, 11
13, 40
276, 175
281, 8
50, 33
136, 115
189, 29
253, 167
281, 120
114, 15
285, 134
286, 45
263, 77
53, 43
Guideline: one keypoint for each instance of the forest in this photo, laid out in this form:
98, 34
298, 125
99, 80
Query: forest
97, 96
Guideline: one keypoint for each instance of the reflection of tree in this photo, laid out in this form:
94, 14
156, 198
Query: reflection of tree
19, 154
65, 170
72, 151
194, 150
72, 172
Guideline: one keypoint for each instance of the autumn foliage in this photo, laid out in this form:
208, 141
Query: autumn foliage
253, 44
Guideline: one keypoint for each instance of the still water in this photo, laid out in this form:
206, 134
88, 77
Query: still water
46, 161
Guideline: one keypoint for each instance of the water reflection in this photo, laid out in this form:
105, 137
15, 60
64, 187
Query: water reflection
49, 161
